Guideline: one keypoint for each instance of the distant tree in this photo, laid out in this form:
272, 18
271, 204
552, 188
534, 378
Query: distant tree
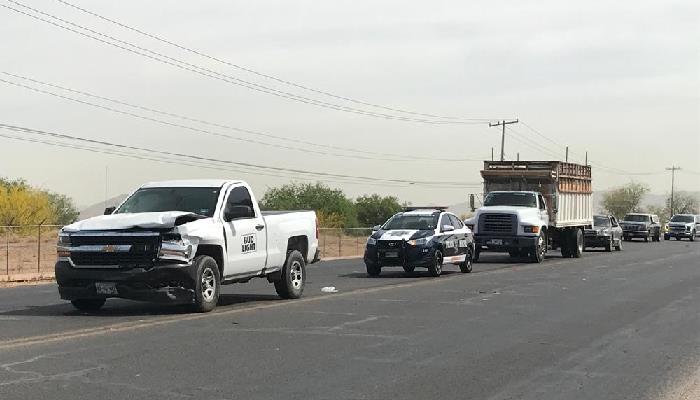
624, 199
24, 206
683, 203
375, 209
64, 210
331, 204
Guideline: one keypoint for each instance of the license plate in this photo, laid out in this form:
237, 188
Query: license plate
391, 254
495, 242
106, 288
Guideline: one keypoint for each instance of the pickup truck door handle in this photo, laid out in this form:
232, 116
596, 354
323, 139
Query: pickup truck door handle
260, 227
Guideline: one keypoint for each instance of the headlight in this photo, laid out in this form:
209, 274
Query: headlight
174, 248
531, 229
419, 242
63, 245
371, 241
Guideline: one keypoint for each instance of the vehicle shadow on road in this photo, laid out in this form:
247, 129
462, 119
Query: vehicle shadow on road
395, 274
126, 308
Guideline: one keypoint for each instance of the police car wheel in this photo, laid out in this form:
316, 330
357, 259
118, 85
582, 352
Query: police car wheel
373, 269
409, 268
435, 268
466, 266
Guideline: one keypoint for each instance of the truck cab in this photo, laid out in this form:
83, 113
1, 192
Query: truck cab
513, 222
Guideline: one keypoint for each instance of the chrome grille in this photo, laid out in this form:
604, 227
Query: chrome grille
119, 248
498, 223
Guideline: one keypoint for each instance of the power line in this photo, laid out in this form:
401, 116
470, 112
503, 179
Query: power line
197, 158
175, 62
379, 156
608, 169
213, 133
267, 76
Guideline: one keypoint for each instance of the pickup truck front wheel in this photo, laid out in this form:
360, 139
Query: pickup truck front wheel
207, 284
291, 286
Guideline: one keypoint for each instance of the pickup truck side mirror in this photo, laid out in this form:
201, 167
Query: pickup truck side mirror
448, 228
109, 210
239, 211
471, 202
376, 228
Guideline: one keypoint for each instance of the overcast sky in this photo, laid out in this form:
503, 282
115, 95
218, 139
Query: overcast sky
618, 79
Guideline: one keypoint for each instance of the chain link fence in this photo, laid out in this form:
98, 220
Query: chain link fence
28, 248
32, 248
342, 242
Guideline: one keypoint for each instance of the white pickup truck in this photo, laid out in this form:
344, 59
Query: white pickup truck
178, 241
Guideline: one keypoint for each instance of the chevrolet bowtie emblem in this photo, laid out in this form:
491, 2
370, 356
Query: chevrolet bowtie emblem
110, 248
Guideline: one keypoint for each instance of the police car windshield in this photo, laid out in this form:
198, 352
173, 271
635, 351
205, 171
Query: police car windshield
682, 218
413, 222
511, 199
197, 200
636, 218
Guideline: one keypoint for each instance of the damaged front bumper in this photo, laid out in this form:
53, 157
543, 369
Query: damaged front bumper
163, 283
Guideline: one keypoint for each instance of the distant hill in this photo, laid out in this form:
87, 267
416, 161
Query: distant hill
99, 208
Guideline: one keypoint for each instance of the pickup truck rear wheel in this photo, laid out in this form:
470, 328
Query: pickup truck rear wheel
207, 284
88, 304
291, 286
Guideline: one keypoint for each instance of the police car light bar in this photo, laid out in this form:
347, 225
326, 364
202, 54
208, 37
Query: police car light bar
414, 208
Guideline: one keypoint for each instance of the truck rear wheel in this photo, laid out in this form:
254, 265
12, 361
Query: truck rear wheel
88, 304
576, 243
291, 286
207, 284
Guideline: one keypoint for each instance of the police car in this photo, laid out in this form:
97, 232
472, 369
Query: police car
420, 237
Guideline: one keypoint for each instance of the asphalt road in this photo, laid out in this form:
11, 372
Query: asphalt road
607, 326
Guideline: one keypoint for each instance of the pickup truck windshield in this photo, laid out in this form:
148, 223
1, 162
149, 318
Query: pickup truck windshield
511, 199
682, 218
413, 222
601, 221
198, 200
636, 218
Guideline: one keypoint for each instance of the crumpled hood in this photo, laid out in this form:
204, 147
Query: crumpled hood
150, 220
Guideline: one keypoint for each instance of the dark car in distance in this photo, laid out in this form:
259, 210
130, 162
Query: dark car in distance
606, 232
643, 226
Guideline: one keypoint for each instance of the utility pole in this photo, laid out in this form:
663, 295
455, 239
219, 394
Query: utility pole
673, 170
503, 134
